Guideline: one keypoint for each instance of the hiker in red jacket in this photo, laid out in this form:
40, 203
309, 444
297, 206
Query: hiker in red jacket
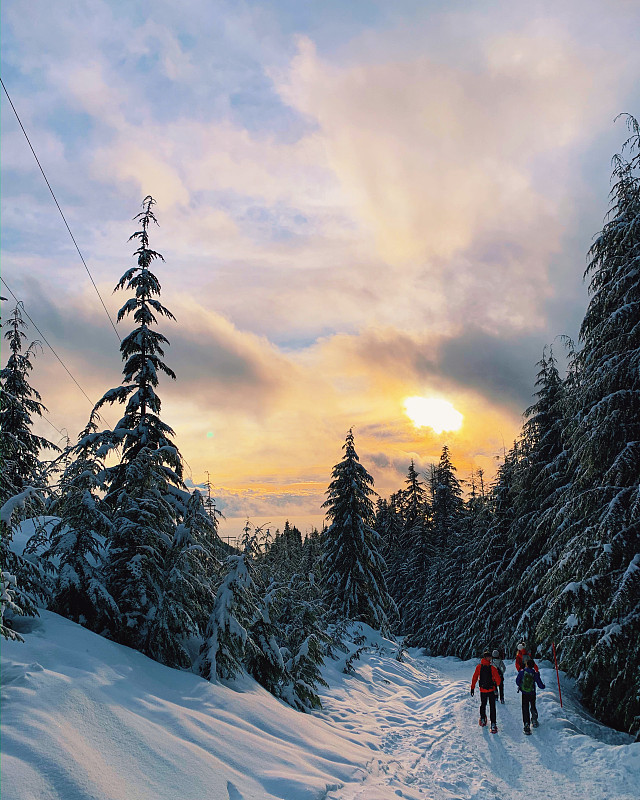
489, 678
522, 652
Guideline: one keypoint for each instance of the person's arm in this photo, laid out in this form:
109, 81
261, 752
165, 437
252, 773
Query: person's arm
539, 681
519, 678
497, 678
476, 675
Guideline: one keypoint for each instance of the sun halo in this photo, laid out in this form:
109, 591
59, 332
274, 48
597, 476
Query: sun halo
434, 413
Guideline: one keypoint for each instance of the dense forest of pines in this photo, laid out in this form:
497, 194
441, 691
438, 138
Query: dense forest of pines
549, 552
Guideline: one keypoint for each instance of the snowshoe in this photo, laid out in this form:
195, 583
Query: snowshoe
535, 722
527, 730
494, 728
482, 722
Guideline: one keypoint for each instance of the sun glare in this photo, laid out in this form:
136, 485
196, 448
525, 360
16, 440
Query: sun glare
431, 412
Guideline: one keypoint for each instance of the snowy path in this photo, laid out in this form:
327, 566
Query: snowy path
432, 747
86, 719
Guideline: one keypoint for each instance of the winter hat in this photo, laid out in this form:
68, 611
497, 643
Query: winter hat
486, 654
521, 646
496, 654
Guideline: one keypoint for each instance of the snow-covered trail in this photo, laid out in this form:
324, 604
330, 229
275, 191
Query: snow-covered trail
87, 719
432, 747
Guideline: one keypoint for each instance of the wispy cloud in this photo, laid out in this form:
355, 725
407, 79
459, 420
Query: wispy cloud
355, 206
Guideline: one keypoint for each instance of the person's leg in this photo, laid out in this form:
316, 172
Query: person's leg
492, 708
525, 709
501, 689
534, 710
483, 705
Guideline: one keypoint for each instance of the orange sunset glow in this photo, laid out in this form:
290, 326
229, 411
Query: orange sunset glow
382, 234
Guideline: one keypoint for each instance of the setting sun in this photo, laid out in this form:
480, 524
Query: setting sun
434, 413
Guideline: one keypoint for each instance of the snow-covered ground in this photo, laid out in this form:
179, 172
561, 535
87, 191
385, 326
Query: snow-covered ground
85, 718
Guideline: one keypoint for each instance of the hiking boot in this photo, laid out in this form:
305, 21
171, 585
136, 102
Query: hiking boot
527, 729
482, 722
494, 727
502, 700
535, 722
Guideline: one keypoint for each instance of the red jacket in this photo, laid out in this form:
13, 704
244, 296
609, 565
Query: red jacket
494, 674
520, 663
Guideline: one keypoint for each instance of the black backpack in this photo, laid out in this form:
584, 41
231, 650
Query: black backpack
486, 678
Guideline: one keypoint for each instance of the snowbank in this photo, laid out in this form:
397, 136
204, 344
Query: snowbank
86, 718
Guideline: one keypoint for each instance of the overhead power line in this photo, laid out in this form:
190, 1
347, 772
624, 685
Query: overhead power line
60, 210
46, 419
46, 341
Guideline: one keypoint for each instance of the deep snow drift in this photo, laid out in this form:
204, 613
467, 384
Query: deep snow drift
86, 718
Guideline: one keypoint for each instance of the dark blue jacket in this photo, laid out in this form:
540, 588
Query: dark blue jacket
536, 676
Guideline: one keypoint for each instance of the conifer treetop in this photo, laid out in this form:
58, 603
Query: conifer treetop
19, 447
143, 352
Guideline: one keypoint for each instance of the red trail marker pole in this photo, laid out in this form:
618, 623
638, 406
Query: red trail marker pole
555, 661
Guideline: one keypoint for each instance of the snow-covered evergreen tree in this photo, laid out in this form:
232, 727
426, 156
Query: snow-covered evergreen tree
142, 351
447, 505
185, 595
20, 580
144, 488
20, 402
264, 658
389, 523
144, 528
417, 551
595, 585
303, 667
224, 650
310, 564
78, 541
353, 567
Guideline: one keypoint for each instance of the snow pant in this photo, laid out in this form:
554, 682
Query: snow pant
491, 697
529, 705
500, 689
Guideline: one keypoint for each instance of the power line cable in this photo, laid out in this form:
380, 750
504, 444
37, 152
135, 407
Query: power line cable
60, 210
46, 341
46, 419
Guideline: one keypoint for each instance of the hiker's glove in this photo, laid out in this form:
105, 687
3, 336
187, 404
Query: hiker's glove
543, 686
473, 691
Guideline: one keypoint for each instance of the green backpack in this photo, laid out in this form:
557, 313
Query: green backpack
528, 684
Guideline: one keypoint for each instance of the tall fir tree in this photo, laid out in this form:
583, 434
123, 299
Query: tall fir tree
21, 582
389, 523
142, 352
145, 489
595, 585
447, 505
417, 551
354, 582
19, 446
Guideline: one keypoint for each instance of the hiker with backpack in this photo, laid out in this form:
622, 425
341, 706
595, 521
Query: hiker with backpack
522, 652
489, 678
498, 663
526, 681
